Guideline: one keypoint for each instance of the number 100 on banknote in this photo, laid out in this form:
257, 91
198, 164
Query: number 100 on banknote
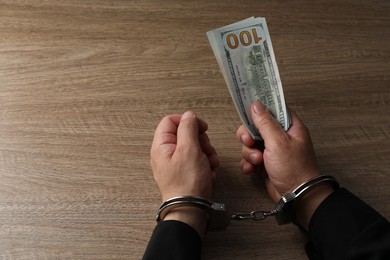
243, 38
246, 58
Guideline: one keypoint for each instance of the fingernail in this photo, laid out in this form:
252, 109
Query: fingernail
188, 114
242, 137
253, 157
258, 108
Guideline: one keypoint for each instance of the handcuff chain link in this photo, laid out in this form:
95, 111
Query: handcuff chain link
254, 215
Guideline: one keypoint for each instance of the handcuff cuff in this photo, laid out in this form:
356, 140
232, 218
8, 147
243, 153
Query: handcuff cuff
218, 216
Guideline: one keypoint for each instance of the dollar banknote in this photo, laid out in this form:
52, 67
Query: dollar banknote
246, 58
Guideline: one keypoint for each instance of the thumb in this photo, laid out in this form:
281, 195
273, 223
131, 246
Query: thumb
269, 128
188, 131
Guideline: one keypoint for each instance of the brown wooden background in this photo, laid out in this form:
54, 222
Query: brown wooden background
83, 85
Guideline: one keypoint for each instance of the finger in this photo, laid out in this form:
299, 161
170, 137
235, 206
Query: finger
244, 137
213, 160
252, 155
202, 126
205, 144
247, 167
269, 128
297, 126
168, 124
175, 119
209, 150
165, 135
188, 131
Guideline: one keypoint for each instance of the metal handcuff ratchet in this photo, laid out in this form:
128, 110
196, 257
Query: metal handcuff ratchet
218, 217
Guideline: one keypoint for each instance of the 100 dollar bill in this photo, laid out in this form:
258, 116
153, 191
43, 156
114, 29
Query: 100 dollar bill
246, 58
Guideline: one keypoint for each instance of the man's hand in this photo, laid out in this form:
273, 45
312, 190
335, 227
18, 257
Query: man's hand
288, 158
184, 163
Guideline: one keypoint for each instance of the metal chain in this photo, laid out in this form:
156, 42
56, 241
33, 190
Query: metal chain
254, 215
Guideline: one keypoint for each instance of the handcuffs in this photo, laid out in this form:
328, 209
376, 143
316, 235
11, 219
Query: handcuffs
218, 216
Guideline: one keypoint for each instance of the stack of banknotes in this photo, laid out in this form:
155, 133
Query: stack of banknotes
246, 58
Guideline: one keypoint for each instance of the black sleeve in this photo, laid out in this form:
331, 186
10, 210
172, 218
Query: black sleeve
173, 240
344, 227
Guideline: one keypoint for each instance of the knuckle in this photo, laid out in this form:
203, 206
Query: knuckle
166, 118
265, 120
285, 140
245, 153
187, 150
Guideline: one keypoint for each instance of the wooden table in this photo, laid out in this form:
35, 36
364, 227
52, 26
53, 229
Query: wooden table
83, 85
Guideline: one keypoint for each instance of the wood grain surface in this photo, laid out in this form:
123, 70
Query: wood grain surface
83, 85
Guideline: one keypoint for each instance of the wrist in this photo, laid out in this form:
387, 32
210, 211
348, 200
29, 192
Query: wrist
306, 206
197, 218
303, 200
